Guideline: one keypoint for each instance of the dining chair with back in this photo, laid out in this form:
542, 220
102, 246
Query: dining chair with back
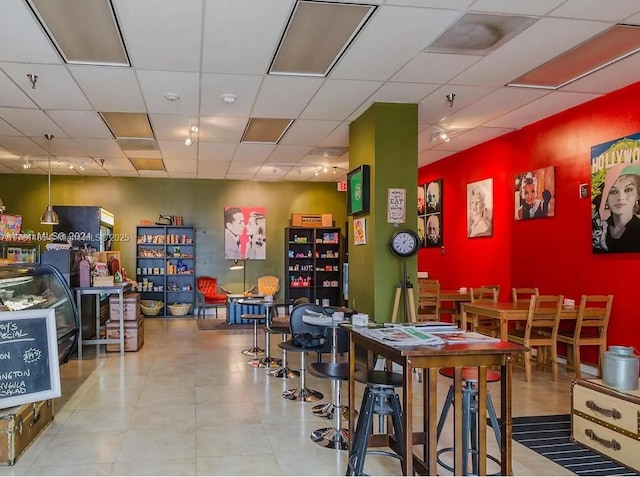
428, 300
523, 294
488, 326
590, 330
540, 332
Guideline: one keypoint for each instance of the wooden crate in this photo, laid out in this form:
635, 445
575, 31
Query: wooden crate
606, 421
19, 427
131, 310
312, 220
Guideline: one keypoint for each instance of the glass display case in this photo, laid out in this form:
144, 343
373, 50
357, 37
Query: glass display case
32, 286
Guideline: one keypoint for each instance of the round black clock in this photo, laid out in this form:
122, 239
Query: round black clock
404, 243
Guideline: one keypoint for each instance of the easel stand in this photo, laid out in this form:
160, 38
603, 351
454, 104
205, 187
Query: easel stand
409, 304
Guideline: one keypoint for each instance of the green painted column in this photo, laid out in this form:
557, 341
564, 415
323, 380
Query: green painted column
386, 138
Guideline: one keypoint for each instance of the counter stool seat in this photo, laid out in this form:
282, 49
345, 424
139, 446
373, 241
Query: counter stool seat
379, 398
254, 350
302, 393
469, 418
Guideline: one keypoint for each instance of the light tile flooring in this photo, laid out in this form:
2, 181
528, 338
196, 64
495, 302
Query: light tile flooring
188, 404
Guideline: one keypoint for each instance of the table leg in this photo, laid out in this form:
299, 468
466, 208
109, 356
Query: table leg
79, 303
121, 302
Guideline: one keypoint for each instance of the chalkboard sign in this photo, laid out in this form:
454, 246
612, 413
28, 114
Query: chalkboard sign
29, 369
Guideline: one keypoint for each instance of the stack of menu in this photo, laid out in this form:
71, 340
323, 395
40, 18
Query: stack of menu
402, 336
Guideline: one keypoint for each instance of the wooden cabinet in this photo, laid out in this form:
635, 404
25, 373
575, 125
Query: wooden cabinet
313, 264
606, 421
166, 265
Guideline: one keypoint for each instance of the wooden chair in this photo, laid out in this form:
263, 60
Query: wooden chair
590, 330
489, 326
540, 332
522, 294
496, 288
428, 300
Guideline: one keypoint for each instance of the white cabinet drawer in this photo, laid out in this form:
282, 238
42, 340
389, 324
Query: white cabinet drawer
603, 404
608, 442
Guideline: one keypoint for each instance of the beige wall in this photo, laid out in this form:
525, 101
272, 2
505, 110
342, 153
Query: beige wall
199, 202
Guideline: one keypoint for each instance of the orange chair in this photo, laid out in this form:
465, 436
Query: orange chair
210, 294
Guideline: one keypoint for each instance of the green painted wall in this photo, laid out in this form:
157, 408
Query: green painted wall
200, 202
385, 137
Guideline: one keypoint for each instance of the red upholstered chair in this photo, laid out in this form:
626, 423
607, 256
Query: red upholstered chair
210, 294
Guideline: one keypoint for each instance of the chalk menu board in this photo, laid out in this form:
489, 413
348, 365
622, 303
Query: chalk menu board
29, 369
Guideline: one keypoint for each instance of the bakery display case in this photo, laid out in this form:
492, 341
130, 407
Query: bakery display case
37, 286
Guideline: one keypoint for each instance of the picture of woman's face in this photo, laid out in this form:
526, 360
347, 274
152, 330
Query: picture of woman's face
622, 196
529, 193
476, 204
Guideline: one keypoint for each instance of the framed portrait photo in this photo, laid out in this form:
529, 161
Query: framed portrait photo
480, 209
430, 213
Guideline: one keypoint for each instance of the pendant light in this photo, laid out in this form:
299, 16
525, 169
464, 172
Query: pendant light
49, 217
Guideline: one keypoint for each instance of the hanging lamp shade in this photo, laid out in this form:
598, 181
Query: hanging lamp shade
49, 217
236, 265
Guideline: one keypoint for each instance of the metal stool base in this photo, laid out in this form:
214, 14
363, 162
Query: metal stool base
326, 411
253, 352
304, 395
285, 373
331, 438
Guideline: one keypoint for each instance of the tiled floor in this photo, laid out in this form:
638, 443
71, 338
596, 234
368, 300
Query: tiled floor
187, 404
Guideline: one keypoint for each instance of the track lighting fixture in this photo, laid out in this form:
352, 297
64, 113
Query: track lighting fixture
335, 170
450, 98
325, 169
192, 130
439, 135
316, 171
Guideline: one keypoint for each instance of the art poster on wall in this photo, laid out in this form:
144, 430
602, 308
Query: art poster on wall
245, 233
615, 196
480, 208
360, 231
535, 194
430, 213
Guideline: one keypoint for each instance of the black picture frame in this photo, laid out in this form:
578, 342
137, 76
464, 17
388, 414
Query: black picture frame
358, 186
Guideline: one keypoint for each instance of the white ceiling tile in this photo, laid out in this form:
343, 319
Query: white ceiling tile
248, 153
81, 123
213, 167
289, 154
163, 34
100, 148
11, 96
338, 98
21, 37
6, 129
240, 36
30, 122
597, 9
339, 137
284, 96
118, 164
178, 150
110, 89
180, 166
156, 84
213, 151
383, 47
55, 87
540, 108
308, 132
493, 105
394, 92
221, 129
434, 67
539, 7
435, 107
244, 87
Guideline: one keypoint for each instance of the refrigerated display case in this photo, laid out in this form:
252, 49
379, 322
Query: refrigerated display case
37, 286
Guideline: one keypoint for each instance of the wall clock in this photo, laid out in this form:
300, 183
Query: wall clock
404, 243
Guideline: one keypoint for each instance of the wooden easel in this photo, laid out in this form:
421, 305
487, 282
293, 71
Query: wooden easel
409, 304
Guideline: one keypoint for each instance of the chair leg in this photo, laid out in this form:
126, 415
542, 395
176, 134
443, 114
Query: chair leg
554, 361
576, 360
527, 365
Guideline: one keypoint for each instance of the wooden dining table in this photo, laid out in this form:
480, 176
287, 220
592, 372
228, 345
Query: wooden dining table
504, 312
430, 359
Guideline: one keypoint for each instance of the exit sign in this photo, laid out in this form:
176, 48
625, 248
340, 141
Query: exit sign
342, 186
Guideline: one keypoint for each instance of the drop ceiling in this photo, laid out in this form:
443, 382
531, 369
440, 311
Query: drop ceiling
185, 55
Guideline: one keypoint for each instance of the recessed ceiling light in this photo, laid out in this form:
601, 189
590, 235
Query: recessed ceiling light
229, 98
172, 97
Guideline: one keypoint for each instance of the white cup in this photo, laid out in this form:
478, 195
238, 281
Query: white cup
463, 290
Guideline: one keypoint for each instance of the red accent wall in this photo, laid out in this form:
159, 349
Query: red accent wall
552, 253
